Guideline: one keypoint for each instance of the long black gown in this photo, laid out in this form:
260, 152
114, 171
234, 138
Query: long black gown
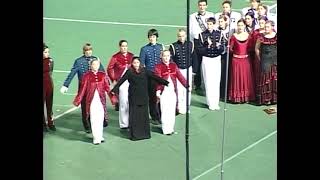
139, 125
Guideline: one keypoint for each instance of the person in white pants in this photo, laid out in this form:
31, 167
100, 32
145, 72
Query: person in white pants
96, 118
167, 94
96, 86
179, 52
124, 105
211, 47
117, 67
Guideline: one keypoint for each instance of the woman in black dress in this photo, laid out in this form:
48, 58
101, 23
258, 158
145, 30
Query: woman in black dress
266, 51
137, 76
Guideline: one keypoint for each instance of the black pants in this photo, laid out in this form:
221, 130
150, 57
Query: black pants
196, 65
48, 99
85, 122
154, 107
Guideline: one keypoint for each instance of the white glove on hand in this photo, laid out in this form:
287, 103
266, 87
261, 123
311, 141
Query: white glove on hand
158, 93
63, 89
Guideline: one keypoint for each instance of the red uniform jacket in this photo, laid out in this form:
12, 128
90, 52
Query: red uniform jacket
47, 70
89, 83
164, 71
117, 65
115, 69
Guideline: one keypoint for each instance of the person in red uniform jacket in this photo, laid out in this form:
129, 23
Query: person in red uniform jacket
95, 84
47, 89
168, 95
117, 66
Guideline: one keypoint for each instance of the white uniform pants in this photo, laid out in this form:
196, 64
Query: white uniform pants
124, 105
211, 71
182, 91
168, 100
96, 118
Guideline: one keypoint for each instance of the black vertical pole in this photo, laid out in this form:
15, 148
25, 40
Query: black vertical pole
187, 94
225, 99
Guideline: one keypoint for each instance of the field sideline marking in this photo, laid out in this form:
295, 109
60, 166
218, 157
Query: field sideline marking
66, 112
109, 22
237, 154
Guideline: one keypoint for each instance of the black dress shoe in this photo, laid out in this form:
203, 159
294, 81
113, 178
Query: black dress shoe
52, 128
88, 131
105, 123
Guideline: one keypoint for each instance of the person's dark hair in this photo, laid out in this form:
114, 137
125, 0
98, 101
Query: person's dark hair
199, 1
227, 2
224, 17
45, 46
263, 18
122, 41
251, 14
93, 59
140, 66
270, 22
152, 32
264, 6
86, 47
242, 20
258, 1
211, 19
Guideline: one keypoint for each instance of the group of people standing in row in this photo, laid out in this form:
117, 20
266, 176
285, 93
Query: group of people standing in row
155, 82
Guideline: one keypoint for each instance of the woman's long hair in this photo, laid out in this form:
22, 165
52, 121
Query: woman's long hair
140, 66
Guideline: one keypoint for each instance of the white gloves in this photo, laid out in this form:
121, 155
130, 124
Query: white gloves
158, 93
63, 89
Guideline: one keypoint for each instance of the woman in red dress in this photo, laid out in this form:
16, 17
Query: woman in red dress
95, 84
266, 50
47, 90
256, 63
240, 88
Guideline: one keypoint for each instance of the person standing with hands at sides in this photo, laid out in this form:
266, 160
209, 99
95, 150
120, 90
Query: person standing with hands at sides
118, 65
168, 95
224, 28
266, 51
256, 62
178, 50
240, 89
211, 47
150, 56
198, 24
47, 89
94, 87
80, 67
137, 76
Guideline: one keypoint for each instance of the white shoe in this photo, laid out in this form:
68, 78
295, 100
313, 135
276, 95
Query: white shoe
96, 142
214, 108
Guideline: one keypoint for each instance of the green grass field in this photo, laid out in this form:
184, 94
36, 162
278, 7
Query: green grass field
250, 151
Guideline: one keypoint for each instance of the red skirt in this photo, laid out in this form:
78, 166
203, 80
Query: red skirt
241, 82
